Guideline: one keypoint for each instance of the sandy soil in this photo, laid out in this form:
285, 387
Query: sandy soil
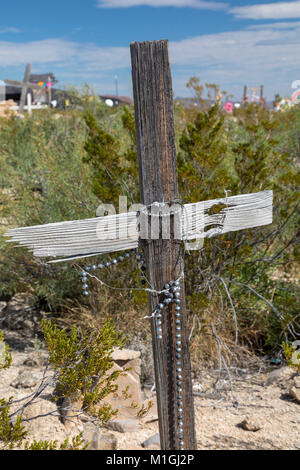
219, 410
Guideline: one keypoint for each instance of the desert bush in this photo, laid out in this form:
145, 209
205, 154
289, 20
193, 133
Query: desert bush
60, 166
81, 360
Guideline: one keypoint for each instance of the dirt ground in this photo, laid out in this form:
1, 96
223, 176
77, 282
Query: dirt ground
260, 395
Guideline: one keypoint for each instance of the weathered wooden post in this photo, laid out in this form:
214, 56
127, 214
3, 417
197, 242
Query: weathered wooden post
153, 98
24, 88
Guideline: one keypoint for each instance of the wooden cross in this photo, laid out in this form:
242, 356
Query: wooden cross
153, 99
24, 85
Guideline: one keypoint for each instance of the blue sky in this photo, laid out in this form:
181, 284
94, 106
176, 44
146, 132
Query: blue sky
230, 43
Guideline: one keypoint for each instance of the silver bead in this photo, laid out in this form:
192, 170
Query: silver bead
85, 293
178, 342
178, 328
114, 261
177, 301
107, 264
178, 350
127, 255
160, 306
179, 383
167, 301
85, 286
179, 390
159, 315
166, 286
177, 294
100, 266
178, 363
178, 335
87, 268
180, 410
179, 369
177, 309
159, 330
159, 322
94, 267
177, 315
177, 283
159, 337
180, 423
179, 395
83, 273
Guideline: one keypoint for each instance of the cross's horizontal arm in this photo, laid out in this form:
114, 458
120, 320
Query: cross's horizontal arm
88, 237
24, 84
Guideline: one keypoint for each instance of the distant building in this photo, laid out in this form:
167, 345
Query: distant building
117, 99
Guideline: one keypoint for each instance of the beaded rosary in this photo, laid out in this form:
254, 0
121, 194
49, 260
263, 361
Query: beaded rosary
171, 293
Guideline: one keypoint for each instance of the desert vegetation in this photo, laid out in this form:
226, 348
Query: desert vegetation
242, 288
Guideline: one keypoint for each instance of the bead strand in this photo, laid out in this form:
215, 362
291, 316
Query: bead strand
107, 264
172, 295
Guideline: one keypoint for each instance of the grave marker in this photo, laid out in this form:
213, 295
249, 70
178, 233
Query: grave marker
153, 96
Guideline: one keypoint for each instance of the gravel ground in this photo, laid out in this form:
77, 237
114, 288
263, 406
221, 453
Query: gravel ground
260, 397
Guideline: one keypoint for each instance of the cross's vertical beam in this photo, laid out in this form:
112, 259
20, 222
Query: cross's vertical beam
49, 92
24, 88
2, 91
153, 98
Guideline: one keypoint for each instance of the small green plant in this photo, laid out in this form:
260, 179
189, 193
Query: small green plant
82, 361
77, 444
5, 355
292, 355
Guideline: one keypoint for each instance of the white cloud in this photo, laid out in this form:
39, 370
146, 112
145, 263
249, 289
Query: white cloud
266, 55
63, 53
209, 5
274, 11
9, 29
277, 25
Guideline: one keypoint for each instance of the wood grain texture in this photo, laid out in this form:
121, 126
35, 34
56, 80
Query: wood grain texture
24, 88
153, 98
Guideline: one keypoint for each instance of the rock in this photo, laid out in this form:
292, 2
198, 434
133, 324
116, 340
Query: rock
123, 425
36, 359
26, 379
280, 375
295, 389
295, 394
297, 381
2, 306
98, 440
251, 423
125, 354
130, 402
18, 312
69, 410
153, 441
48, 426
21, 301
